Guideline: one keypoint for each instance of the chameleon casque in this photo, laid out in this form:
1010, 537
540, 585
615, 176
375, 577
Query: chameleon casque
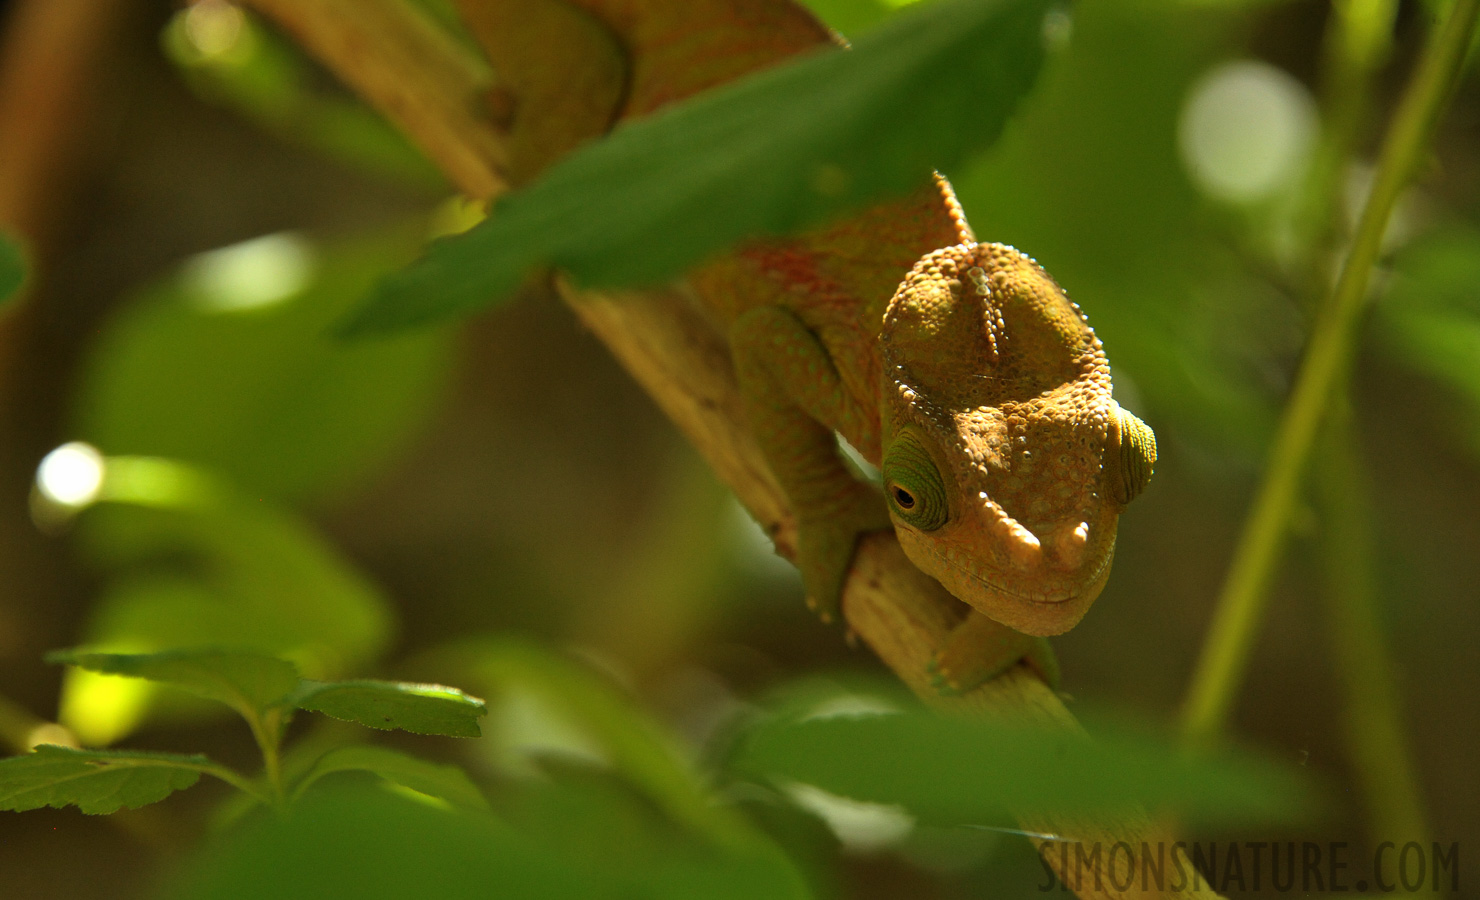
959, 368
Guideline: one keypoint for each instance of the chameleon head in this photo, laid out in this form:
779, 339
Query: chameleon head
1005, 461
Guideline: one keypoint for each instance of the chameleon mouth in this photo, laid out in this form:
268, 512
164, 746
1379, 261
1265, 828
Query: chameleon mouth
1036, 598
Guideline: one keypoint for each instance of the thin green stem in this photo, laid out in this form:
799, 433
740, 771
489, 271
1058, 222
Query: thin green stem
238, 781
1358, 41
268, 731
1241, 603
1372, 718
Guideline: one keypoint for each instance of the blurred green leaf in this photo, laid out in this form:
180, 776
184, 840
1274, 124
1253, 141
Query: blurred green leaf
958, 770
634, 745
226, 364
247, 682
196, 564
12, 267
373, 845
772, 153
615, 834
446, 782
95, 781
1430, 320
387, 705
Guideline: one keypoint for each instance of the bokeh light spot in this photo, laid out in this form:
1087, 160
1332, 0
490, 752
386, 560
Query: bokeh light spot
214, 27
252, 274
1246, 131
71, 475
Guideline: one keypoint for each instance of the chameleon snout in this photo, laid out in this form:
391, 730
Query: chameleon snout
1063, 546
1069, 543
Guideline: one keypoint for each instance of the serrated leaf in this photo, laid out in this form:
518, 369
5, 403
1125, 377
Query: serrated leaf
12, 267
247, 682
387, 705
446, 782
95, 781
772, 153
956, 770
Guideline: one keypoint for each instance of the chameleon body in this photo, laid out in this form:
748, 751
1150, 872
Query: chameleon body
960, 369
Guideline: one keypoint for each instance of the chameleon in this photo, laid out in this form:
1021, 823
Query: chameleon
958, 368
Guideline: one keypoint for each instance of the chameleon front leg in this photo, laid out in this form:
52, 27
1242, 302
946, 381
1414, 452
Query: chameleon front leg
980, 649
796, 401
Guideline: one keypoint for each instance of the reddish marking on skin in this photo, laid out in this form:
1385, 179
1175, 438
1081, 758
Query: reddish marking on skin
798, 271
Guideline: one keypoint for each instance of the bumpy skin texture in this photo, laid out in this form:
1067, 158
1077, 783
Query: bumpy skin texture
975, 384
997, 377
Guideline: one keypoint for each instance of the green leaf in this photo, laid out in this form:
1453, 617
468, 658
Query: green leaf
773, 153
278, 585
247, 682
12, 267
197, 564
449, 783
614, 833
387, 705
96, 781
956, 770
226, 364
373, 845
629, 739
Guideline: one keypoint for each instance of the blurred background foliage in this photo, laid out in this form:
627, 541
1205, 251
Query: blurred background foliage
365, 508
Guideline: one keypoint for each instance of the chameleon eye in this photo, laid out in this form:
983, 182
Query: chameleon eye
916, 492
1130, 456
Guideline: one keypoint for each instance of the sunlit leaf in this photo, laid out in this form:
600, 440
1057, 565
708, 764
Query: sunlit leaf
387, 705
95, 781
226, 364
446, 782
958, 770
247, 682
373, 845
771, 153
12, 267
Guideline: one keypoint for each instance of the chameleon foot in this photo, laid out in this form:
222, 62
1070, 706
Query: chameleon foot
980, 649
825, 549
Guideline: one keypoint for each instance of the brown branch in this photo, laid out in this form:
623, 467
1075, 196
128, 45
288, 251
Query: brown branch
49, 66
674, 352
413, 72
52, 62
